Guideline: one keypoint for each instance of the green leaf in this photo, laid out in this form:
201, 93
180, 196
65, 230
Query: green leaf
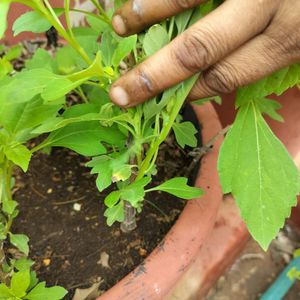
112, 198
269, 107
107, 48
19, 155
97, 24
34, 22
256, 168
9, 206
20, 282
33, 280
183, 19
41, 58
4, 6
155, 39
135, 192
5, 292
40, 292
104, 178
179, 188
185, 134
23, 264
17, 117
85, 138
5, 67
114, 214
14, 52
20, 241
125, 46
276, 83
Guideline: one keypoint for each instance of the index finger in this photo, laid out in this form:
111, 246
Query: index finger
202, 45
136, 15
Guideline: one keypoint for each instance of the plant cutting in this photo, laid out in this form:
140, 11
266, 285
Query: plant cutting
123, 144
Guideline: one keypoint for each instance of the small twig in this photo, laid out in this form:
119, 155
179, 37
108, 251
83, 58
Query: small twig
198, 153
156, 207
37, 192
69, 201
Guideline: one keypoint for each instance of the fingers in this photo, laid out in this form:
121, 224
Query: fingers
202, 45
136, 15
277, 48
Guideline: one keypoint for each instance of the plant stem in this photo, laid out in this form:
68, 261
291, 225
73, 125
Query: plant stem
129, 222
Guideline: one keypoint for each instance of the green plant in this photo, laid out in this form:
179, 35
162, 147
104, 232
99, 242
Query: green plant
123, 144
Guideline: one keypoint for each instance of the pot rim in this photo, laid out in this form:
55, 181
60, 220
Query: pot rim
163, 268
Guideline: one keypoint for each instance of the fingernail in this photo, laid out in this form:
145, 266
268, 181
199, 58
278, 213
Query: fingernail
119, 24
119, 96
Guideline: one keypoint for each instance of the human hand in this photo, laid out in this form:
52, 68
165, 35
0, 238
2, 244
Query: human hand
236, 44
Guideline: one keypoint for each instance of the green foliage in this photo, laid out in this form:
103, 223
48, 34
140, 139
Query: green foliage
185, 134
253, 164
179, 188
20, 241
34, 22
155, 39
4, 6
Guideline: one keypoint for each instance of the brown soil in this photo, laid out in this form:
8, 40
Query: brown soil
67, 245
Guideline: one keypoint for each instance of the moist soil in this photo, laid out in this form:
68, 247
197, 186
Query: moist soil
61, 211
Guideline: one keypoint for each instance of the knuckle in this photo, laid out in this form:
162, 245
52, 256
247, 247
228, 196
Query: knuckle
221, 79
194, 53
183, 4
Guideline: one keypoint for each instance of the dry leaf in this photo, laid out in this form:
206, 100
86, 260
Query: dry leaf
103, 261
88, 294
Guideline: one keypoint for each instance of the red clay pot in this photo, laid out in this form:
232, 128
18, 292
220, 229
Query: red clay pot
167, 264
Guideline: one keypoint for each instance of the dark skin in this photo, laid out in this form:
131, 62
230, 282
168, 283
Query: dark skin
236, 44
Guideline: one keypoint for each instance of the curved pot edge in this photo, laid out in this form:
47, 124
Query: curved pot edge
164, 267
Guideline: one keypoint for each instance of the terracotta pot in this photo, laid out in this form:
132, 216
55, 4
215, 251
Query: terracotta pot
166, 265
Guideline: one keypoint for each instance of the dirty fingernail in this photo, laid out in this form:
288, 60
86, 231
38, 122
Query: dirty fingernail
119, 96
119, 24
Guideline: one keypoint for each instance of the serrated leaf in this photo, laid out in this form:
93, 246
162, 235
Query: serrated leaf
276, 83
20, 282
33, 21
125, 46
40, 291
185, 134
4, 6
20, 241
19, 155
178, 187
85, 138
256, 168
269, 107
155, 39
114, 214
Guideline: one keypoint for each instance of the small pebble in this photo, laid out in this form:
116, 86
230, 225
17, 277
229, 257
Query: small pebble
77, 206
